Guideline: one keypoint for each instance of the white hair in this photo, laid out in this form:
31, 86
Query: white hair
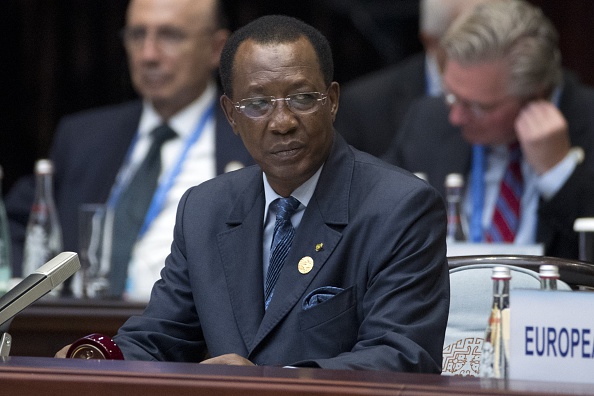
437, 15
515, 32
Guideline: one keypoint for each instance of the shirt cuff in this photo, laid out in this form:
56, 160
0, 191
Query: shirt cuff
550, 182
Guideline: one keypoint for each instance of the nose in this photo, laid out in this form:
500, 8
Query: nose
149, 48
459, 115
282, 119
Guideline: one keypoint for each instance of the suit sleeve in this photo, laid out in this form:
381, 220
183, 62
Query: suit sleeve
169, 329
556, 216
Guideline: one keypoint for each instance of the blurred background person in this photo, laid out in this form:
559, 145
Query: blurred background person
520, 128
373, 106
173, 49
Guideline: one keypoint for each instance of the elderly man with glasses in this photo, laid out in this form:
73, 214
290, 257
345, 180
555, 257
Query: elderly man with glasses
320, 256
520, 129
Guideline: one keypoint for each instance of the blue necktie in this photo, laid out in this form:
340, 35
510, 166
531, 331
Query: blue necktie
131, 208
281, 242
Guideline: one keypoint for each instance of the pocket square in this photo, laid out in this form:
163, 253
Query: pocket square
320, 295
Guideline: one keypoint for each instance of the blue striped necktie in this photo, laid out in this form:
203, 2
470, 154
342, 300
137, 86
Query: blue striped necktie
281, 242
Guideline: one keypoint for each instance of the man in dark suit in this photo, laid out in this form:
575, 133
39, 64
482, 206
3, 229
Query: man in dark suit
173, 49
373, 106
519, 96
365, 282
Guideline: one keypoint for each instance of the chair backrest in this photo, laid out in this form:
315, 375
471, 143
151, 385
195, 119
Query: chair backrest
471, 290
577, 274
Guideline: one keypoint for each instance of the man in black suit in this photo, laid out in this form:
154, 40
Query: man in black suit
504, 88
173, 49
373, 106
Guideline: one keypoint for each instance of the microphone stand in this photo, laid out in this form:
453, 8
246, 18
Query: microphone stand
5, 339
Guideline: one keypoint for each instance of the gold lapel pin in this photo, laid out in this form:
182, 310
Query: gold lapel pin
319, 247
305, 265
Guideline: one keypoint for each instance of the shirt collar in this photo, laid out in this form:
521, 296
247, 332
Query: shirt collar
303, 193
432, 76
184, 121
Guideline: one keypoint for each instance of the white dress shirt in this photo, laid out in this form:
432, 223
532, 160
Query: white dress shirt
150, 251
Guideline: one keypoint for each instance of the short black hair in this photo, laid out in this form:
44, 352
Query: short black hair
275, 29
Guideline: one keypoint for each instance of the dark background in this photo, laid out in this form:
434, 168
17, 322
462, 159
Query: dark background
62, 56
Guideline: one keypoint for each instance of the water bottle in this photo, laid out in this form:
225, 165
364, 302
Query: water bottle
495, 351
5, 266
43, 239
454, 187
548, 276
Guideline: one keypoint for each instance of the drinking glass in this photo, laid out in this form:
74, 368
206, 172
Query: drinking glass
94, 251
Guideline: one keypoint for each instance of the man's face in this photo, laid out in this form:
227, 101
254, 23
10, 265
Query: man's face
288, 146
173, 48
479, 102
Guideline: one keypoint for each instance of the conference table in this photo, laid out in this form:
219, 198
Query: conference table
48, 324
49, 376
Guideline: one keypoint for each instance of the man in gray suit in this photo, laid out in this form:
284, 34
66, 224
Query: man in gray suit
504, 88
365, 282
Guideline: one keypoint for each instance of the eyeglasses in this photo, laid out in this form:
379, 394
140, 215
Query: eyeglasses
168, 39
298, 103
478, 110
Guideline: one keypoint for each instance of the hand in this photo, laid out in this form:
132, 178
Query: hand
543, 135
231, 359
61, 354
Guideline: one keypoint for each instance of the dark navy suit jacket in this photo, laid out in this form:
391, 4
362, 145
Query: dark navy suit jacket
88, 150
383, 236
372, 107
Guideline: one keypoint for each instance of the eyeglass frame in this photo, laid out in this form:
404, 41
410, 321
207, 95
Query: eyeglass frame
478, 110
287, 99
167, 38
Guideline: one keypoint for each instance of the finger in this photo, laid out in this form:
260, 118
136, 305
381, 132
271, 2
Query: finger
61, 354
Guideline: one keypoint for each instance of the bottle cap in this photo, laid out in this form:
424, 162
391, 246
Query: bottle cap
502, 273
584, 224
548, 271
44, 166
454, 180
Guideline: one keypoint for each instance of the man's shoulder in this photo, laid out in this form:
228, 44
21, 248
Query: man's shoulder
378, 173
390, 78
229, 184
105, 114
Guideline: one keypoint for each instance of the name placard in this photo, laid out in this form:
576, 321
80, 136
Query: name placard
552, 336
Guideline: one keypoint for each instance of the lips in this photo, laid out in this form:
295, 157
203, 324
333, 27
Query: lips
287, 150
153, 77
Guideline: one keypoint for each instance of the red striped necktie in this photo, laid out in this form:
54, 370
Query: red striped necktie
506, 216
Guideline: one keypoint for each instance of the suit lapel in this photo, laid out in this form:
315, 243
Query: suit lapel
241, 255
329, 205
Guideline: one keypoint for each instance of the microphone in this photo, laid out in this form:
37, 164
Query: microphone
38, 284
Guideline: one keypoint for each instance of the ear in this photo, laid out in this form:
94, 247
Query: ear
333, 96
229, 111
219, 38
